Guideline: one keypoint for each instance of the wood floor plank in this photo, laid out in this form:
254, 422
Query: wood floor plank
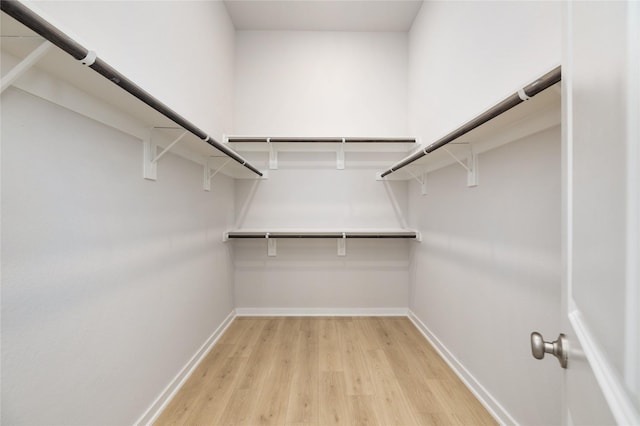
249, 338
211, 403
356, 372
333, 399
317, 371
330, 354
362, 411
303, 398
182, 405
390, 403
407, 366
271, 407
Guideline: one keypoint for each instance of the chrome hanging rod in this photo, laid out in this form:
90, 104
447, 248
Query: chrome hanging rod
247, 139
36, 23
250, 235
528, 91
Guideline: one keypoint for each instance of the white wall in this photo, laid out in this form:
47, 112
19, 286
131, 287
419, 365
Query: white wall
179, 51
488, 270
465, 56
111, 283
305, 83
321, 83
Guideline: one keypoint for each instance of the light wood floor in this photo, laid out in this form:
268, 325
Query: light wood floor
323, 371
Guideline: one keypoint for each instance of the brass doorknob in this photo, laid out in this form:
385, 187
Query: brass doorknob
557, 348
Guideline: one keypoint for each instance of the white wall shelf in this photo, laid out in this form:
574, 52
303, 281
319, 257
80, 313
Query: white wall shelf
341, 236
533, 115
340, 145
29, 64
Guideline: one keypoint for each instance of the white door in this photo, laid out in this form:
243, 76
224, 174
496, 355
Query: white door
601, 209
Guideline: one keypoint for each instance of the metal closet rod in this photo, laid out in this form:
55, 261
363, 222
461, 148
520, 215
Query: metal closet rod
528, 91
234, 139
27, 17
331, 235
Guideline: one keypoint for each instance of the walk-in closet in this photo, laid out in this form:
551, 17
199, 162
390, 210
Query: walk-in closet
375, 212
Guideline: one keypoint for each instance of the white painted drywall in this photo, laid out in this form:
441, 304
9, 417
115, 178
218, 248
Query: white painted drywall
179, 51
321, 83
488, 270
465, 56
305, 83
111, 283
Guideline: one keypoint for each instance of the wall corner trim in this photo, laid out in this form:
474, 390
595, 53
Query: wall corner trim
152, 413
486, 399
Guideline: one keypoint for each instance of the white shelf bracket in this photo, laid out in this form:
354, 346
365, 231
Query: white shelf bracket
23, 66
472, 175
342, 245
272, 248
207, 176
471, 165
340, 156
149, 168
273, 155
149, 157
422, 180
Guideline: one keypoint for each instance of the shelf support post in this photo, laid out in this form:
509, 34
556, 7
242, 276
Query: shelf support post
23, 66
472, 174
342, 245
340, 156
207, 176
273, 155
471, 165
422, 180
272, 248
149, 157
149, 167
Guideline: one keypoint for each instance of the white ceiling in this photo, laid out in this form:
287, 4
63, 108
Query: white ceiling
323, 15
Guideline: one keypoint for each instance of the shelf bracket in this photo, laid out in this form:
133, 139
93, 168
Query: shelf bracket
273, 155
23, 66
207, 176
272, 248
342, 245
471, 165
149, 157
340, 156
422, 180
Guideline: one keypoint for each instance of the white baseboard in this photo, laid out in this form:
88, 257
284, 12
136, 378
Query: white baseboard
486, 399
174, 386
321, 312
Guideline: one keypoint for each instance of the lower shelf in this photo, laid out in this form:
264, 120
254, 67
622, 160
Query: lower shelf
321, 234
340, 236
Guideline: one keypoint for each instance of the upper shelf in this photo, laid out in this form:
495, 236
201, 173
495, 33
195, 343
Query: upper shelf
62, 66
331, 143
532, 109
367, 152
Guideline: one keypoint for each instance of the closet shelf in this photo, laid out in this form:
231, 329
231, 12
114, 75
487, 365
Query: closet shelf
534, 108
371, 152
72, 67
321, 144
320, 233
341, 236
